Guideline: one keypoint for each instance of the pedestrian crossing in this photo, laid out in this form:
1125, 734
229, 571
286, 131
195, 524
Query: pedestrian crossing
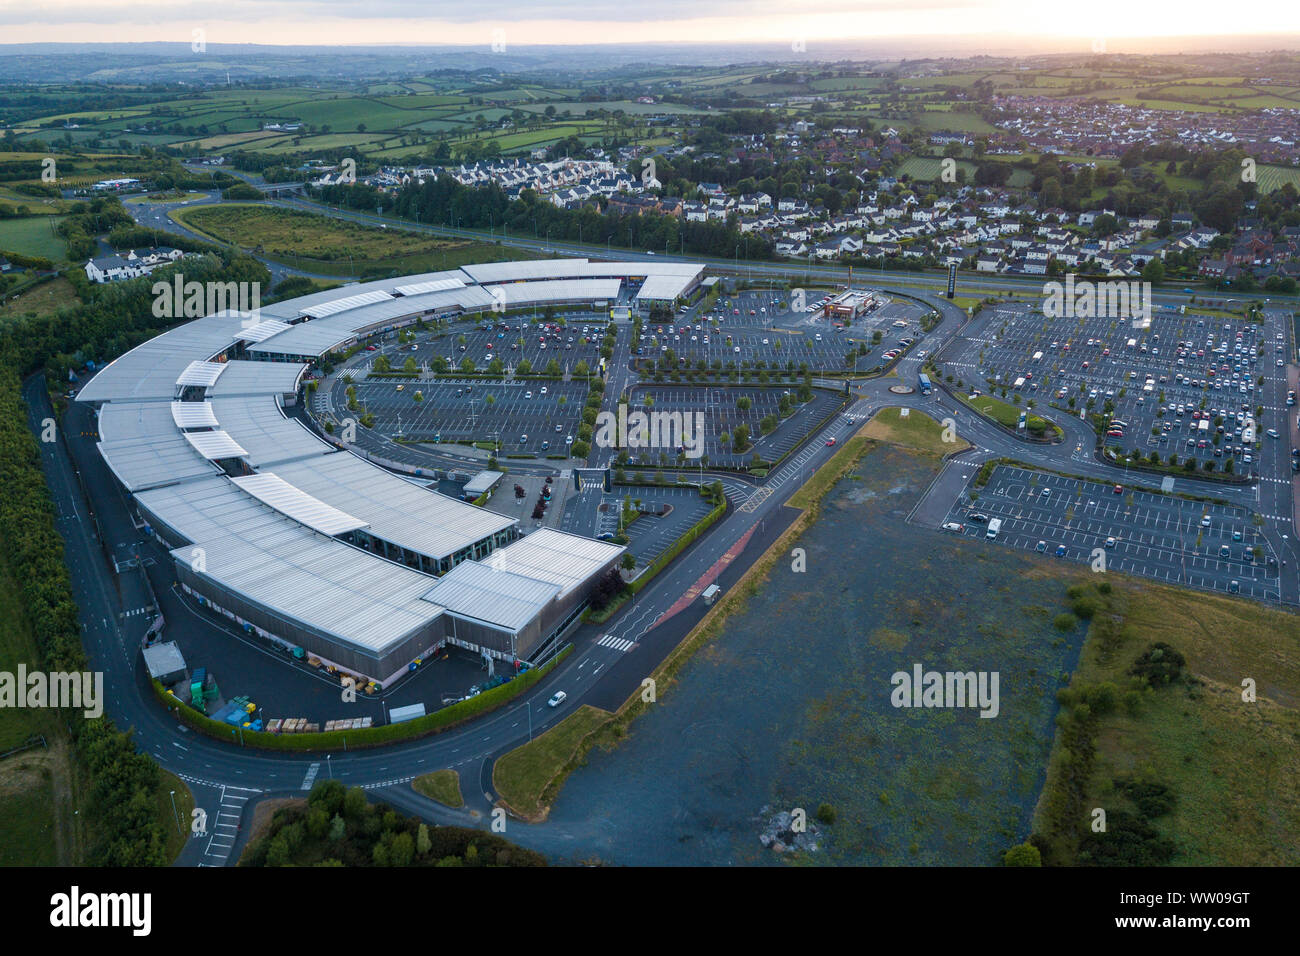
310, 778
617, 643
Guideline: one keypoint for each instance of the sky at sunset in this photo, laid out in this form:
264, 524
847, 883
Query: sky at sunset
521, 23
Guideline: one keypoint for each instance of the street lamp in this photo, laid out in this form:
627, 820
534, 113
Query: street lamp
176, 814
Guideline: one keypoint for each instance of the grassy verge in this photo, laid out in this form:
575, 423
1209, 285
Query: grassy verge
528, 777
442, 786
176, 837
433, 723
916, 430
1004, 413
1188, 772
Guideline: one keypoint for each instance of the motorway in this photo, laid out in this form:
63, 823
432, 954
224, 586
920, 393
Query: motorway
608, 662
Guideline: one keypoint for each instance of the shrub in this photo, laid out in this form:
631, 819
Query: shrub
1159, 665
1026, 854
1085, 606
1065, 621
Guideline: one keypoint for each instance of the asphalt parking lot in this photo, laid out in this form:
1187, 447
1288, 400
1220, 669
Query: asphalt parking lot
527, 416
719, 406
1159, 383
651, 535
510, 340
758, 327
1170, 539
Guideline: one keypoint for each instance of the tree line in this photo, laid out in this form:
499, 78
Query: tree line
444, 201
122, 805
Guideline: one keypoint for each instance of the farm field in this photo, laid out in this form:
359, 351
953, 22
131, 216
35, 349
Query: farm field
33, 236
1270, 178
44, 299
927, 169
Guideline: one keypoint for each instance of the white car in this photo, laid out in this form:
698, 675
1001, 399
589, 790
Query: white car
558, 698
543, 389
568, 439
528, 394
736, 349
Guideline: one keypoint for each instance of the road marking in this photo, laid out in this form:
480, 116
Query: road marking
617, 643
308, 780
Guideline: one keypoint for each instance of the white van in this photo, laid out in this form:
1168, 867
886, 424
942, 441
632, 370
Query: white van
995, 525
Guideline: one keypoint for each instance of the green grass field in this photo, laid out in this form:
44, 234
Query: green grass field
916, 430
1269, 178
44, 299
928, 169
37, 826
33, 236
1232, 766
332, 246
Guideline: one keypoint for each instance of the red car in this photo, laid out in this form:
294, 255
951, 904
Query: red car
1119, 489
830, 442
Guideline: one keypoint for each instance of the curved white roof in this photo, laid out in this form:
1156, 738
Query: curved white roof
274, 491
269, 536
